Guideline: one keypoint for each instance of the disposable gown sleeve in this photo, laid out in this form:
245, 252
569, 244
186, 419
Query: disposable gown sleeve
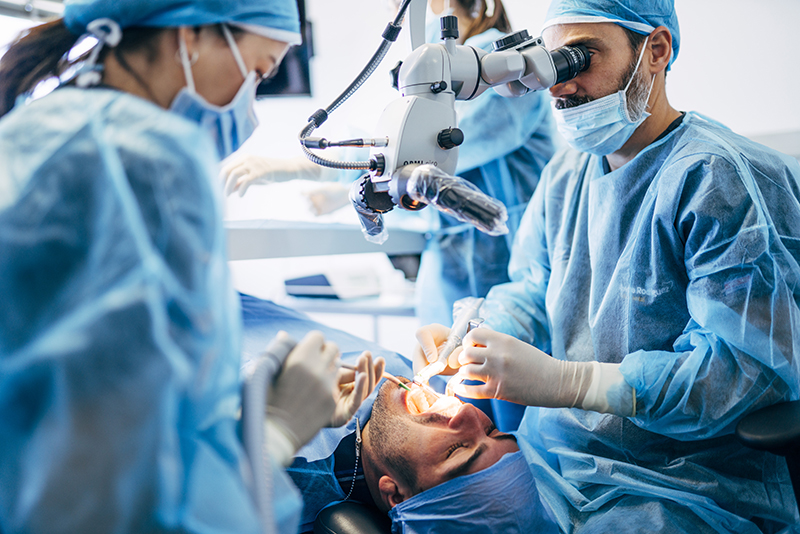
119, 376
739, 350
517, 307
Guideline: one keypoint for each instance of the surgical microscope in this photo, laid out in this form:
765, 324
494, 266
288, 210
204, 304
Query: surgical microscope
414, 153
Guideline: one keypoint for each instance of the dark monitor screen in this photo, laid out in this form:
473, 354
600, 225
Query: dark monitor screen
293, 77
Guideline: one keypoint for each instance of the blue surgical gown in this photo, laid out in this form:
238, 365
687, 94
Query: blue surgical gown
682, 266
507, 142
119, 331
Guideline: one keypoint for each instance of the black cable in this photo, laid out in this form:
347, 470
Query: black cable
320, 116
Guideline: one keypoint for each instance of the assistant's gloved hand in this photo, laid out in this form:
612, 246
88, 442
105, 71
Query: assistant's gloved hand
355, 386
301, 400
514, 371
327, 197
244, 170
430, 338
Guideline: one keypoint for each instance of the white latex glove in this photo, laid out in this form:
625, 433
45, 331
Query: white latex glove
430, 338
301, 400
327, 197
244, 170
514, 371
354, 386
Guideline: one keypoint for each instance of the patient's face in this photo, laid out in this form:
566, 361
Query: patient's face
434, 440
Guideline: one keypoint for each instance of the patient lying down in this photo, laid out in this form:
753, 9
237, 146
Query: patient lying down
414, 442
437, 463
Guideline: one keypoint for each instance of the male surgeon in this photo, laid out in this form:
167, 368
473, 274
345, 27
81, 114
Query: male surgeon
653, 302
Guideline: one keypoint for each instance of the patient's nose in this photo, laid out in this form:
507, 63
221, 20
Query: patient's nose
468, 418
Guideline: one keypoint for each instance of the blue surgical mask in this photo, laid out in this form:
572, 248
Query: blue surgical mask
230, 125
433, 28
602, 126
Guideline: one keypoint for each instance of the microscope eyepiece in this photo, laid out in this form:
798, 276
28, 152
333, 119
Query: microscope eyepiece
570, 61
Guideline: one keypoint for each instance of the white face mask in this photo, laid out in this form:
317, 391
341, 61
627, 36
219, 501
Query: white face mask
433, 32
230, 125
602, 126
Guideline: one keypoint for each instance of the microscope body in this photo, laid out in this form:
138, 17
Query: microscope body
421, 127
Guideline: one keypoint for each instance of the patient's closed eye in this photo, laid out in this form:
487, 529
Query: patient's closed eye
454, 447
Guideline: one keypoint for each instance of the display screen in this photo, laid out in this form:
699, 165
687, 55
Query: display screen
293, 77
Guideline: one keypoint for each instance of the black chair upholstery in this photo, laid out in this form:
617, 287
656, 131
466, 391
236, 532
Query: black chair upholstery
352, 518
775, 429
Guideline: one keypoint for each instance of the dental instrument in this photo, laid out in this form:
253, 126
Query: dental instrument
427, 389
457, 332
387, 376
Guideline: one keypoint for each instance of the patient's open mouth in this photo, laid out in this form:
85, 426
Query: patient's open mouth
419, 401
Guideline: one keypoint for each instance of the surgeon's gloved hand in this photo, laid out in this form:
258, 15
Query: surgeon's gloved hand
512, 370
244, 170
354, 386
301, 400
430, 338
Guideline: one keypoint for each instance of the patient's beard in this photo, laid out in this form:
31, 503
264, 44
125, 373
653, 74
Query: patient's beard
388, 432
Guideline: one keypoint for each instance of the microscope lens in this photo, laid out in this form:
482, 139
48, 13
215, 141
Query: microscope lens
570, 61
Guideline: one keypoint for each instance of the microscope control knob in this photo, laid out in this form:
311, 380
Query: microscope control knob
450, 138
377, 202
513, 40
449, 27
438, 87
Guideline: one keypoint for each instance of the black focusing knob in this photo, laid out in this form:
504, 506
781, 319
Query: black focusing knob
511, 40
377, 202
450, 138
449, 25
377, 164
438, 87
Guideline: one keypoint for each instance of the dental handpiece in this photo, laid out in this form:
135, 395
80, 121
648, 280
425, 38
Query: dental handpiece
388, 376
457, 332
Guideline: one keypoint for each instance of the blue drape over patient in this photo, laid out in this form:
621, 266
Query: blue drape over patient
682, 265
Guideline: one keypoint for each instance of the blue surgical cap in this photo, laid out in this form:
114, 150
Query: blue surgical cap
502, 498
641, 16
276, 19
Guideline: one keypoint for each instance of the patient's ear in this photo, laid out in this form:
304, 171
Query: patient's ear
391, 492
